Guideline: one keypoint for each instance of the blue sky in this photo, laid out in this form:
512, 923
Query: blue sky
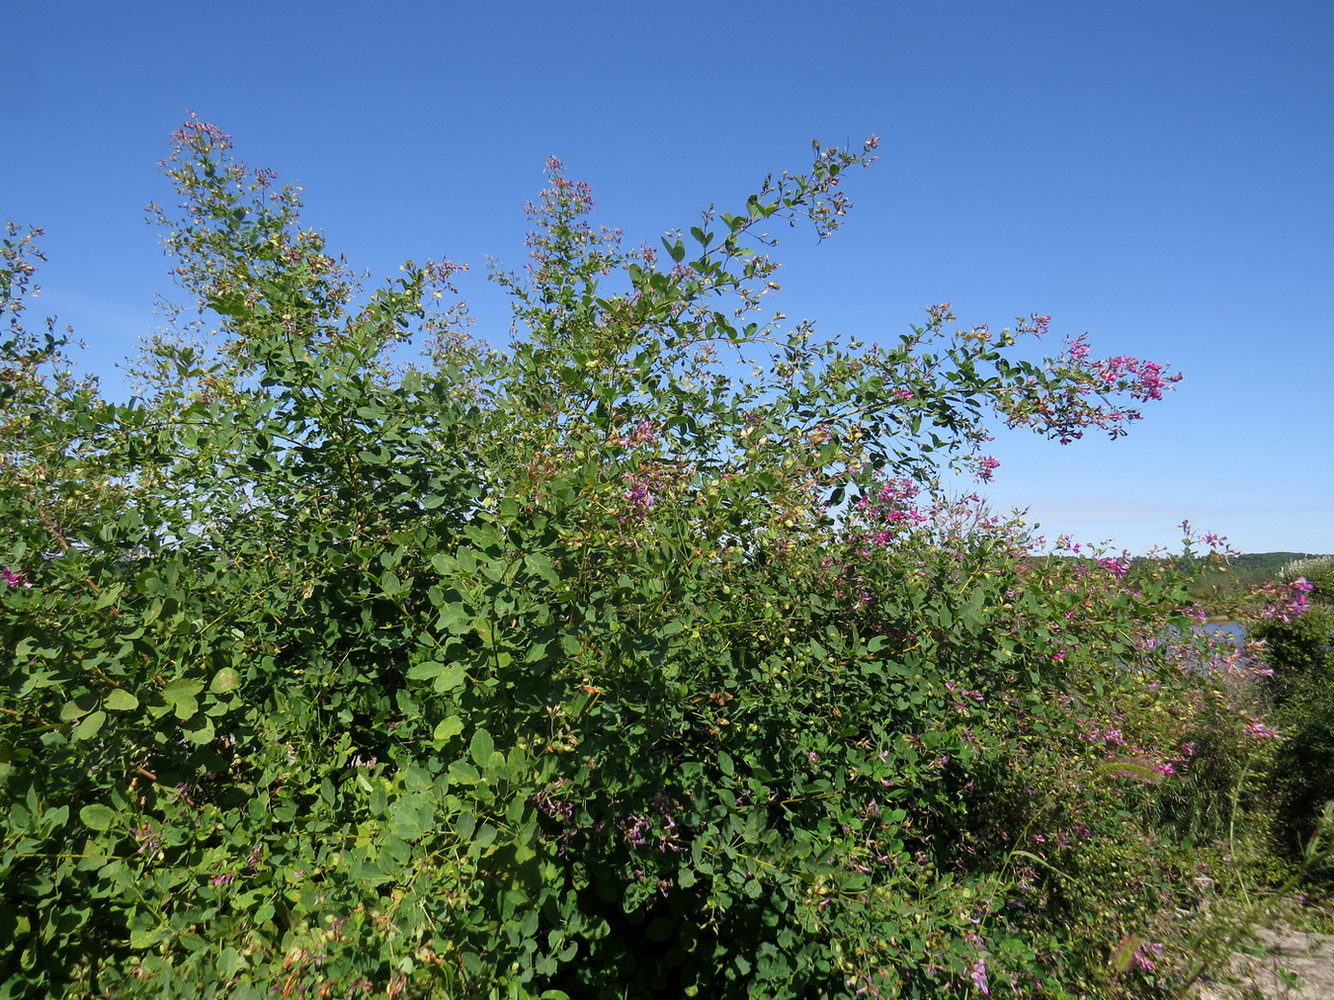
1158, 174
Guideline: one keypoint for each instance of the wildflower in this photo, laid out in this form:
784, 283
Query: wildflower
1118, 567
986, 468
149, 840
636, 833
1145, 954
645, 433
640, 497
1288, 601
980, 976
1259, 731
13, 578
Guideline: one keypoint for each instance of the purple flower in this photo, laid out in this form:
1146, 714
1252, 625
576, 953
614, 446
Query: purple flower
640, 498
637, 830
149, 840
980, 976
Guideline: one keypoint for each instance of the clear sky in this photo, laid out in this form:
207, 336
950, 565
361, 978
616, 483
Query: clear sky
1158, 173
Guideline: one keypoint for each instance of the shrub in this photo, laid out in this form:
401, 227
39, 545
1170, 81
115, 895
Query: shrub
588, 666
1296, 625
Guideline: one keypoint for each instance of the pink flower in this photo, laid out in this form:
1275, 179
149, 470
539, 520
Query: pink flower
1259, 731
12, 578
1118, 567
1288, 602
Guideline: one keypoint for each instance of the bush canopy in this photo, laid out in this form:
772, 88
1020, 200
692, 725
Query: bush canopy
645, 655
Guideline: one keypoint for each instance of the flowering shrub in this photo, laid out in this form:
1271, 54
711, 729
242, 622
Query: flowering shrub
1295, 624
586, 667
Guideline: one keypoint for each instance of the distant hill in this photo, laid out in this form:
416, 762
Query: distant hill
1250, 569
1270, 562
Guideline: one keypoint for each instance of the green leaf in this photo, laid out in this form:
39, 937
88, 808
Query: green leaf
109, 596
464, 773
88, 728
450, 677
447, 728
481, 747
203, 734
425, 670
180, 695
225, 680
541, 565
145, 937
120, 700
97, 817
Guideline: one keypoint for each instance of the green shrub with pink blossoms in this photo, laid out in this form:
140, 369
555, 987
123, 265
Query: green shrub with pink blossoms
647, 655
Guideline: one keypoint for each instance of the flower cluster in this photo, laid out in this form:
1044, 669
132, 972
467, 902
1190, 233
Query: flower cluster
660, 829
644, 433
639, 497
1287, 601
1146, 954
1074, 393
984, 468
1260, 731
1144, 380
555, 801
149, 839
12, 578
892, 509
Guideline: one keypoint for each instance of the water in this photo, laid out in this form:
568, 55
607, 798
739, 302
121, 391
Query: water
1232, 629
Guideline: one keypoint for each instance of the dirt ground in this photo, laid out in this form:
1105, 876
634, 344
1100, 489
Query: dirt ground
1292, 966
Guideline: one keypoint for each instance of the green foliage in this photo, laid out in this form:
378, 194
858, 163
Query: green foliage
1297, 628
588, 667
